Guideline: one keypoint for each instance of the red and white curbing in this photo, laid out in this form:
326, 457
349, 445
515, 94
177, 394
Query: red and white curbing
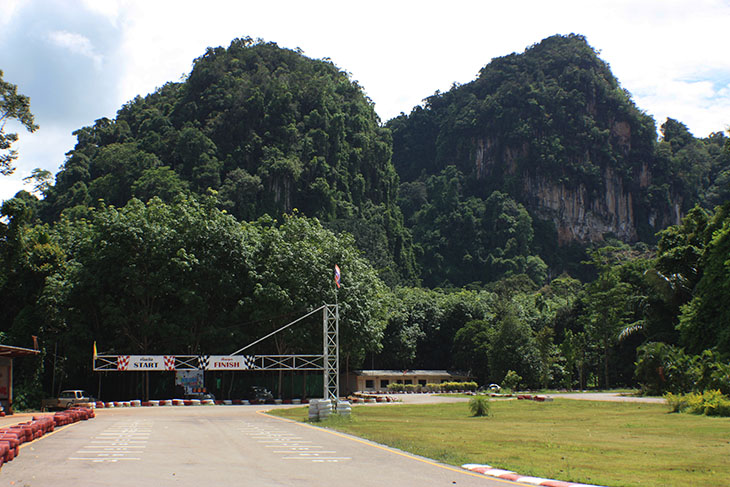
508, 475
184, 402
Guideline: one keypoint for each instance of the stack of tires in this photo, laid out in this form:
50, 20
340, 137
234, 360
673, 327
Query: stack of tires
319, 409
324, 408
344, 408
313, 410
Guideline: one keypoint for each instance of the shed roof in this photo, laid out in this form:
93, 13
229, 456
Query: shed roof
12, 352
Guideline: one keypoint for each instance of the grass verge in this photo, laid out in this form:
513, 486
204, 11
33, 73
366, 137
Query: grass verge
603, 443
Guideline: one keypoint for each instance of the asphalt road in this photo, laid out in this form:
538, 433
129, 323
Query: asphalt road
217, 446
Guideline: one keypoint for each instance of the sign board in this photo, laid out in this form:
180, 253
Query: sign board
145, 362
226, 362
190, 379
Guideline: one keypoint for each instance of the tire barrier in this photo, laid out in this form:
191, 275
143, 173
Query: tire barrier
529, 397
361, 397
509, 475
12, 437
344, 408
324, 408
195, 402
320, 409
314, 410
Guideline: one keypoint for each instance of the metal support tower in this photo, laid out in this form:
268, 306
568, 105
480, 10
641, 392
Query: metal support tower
331, 332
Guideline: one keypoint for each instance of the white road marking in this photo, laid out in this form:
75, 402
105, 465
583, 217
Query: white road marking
304, 453
116, 443
291, 445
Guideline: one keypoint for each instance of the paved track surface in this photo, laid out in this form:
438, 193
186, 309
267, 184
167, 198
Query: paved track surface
217, 446
608, 396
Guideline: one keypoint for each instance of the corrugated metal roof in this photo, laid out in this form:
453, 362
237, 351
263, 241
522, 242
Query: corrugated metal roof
8, 351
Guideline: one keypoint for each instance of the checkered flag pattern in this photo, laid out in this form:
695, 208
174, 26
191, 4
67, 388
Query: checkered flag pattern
169, 362
122, 362
203, 361
249, 361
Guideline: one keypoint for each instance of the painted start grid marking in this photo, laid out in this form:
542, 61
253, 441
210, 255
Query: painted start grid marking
121, 441
290, 446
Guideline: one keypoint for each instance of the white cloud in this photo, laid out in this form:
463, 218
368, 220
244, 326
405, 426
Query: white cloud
10, 185
77, 44
107, 8
8, 8
44, 148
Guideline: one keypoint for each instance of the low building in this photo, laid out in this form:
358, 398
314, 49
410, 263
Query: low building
7, 354
378, 380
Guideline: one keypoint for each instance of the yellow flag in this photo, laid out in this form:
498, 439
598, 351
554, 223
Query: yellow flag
94, 349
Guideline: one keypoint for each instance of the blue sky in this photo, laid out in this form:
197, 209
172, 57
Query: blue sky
81, 60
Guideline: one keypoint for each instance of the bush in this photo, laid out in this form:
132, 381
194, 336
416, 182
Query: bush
676, 402
662, 368
395, 387
431, 387
479, 405
458, 386
511, 380
712, 374
708, 403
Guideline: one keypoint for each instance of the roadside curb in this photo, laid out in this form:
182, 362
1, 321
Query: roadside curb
509, 475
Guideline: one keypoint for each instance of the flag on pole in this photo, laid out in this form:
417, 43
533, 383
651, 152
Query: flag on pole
337, 276
94, 349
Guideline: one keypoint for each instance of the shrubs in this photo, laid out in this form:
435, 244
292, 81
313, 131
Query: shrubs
443, 387
662, 368
709, 403
511, 380
479, 405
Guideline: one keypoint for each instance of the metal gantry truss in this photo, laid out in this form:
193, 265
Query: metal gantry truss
331, 332
328, 362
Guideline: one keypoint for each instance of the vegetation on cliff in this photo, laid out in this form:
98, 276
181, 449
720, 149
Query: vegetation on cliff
266, 130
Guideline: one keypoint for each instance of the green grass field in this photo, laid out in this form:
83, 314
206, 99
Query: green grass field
603, 443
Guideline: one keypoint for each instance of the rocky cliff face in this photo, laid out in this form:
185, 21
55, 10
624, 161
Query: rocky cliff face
579, 215
576, 215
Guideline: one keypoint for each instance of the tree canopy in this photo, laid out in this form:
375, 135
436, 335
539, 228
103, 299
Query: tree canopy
267, 130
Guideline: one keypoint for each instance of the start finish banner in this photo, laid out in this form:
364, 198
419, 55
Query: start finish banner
146, 362
226, 362
170, 362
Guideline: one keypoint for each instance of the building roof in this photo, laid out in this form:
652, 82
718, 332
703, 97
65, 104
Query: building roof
408, 373
12, 352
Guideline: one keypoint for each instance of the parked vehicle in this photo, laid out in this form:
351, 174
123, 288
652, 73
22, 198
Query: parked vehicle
261, 395
200, 395
67, 399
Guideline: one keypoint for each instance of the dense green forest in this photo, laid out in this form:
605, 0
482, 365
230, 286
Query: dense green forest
213, 211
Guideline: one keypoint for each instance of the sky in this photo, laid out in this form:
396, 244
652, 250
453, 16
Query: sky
81, 60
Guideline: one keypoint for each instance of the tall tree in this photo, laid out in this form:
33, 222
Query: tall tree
607, 309
703, 322
15, 106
